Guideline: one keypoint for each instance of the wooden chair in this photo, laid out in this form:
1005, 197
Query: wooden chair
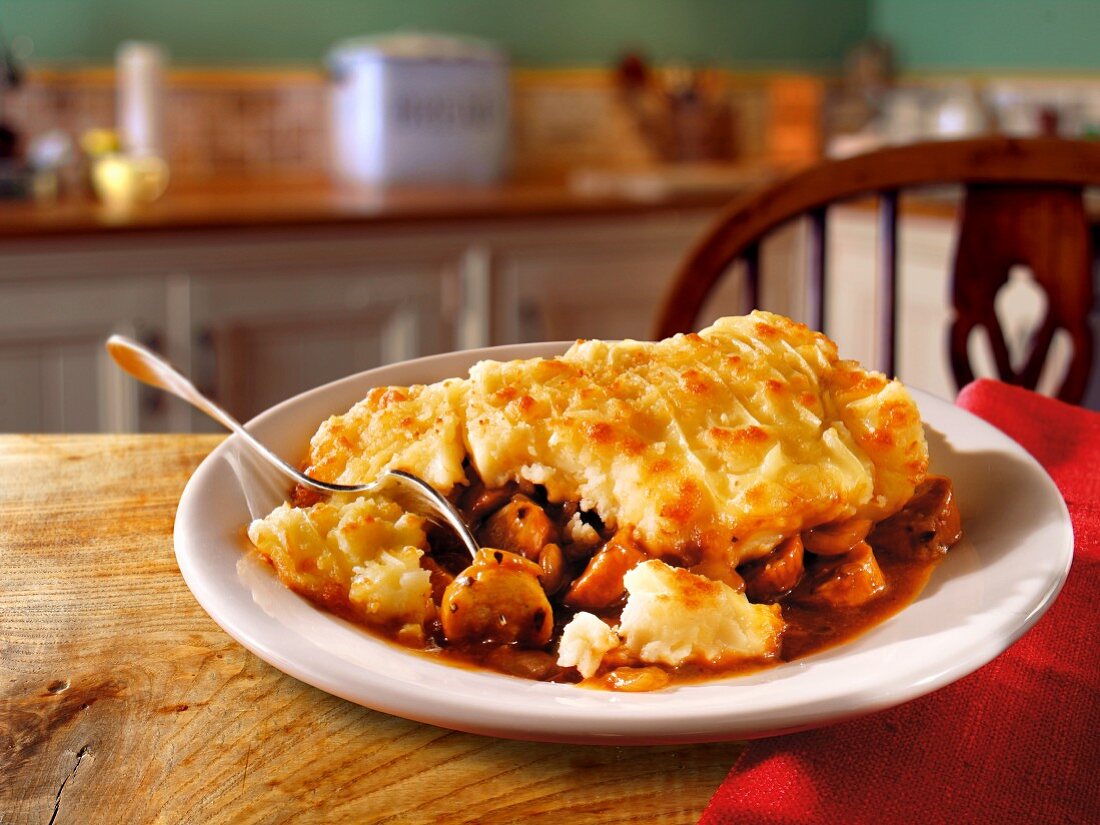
1022, 205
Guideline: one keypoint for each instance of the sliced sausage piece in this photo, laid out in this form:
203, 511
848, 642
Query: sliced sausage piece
925, 527
837, 538
520, 526
527, 664
601, 584
479, 501
440, 579
777, 574
847, 581
497, 599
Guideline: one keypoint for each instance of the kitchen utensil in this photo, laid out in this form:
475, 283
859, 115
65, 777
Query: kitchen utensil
406, 489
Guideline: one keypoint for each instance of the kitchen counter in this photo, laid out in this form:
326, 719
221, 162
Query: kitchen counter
276, 202
217, 276
122, 701
293, 202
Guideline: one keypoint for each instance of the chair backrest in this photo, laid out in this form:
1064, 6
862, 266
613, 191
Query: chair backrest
1023, 205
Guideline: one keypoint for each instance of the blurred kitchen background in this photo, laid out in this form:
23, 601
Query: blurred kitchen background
277, 193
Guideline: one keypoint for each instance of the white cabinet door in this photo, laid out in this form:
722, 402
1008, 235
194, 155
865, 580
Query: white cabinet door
604, 280
55, 375
286, 320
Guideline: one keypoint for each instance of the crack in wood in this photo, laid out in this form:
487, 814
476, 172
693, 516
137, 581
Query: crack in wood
84, 751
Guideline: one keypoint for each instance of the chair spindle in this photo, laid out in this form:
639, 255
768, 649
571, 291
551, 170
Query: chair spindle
752, 276
887, 282
816, 285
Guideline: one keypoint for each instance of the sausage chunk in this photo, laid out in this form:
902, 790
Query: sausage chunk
925, 527
846, 581
520, 526
837, 538
777, 574
601, 584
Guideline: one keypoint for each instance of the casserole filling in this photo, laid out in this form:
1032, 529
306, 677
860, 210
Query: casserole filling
556, 595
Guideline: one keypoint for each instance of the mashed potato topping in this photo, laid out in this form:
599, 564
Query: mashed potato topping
418, 429
584, 641
360, 557
671, 617
721, 443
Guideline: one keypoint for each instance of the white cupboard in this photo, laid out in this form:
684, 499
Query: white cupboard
257, 316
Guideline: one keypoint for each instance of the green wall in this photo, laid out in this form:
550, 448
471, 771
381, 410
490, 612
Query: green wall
930, 35
991, 34
742, 33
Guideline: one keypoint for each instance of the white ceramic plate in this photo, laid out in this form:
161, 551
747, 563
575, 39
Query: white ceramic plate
991, 588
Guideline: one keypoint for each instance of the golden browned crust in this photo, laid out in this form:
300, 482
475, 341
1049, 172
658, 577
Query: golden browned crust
713, 444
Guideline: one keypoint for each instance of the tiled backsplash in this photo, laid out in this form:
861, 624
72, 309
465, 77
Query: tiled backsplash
217, 123
249, 122
248, 131
241, 123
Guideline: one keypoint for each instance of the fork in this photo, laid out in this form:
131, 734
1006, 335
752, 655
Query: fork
405, 489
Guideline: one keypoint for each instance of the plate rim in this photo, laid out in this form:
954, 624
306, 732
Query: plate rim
720, 725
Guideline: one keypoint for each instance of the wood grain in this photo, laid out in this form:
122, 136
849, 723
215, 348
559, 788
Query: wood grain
121, 701
1046, 230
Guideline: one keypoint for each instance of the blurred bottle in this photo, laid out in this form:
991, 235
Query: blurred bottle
140, 89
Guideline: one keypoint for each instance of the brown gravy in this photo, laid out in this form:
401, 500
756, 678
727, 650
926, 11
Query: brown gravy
809, 630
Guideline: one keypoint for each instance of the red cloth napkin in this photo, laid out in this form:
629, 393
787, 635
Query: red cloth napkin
1018, 741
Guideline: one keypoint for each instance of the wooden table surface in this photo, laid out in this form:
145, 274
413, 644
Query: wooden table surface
121, 701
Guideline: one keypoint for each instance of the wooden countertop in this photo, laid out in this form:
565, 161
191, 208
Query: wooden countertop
122, 701
281, 202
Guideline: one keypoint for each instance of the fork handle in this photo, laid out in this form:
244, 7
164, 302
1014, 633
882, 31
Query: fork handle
150, 368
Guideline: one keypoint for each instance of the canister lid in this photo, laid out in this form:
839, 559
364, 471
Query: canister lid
413, 46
